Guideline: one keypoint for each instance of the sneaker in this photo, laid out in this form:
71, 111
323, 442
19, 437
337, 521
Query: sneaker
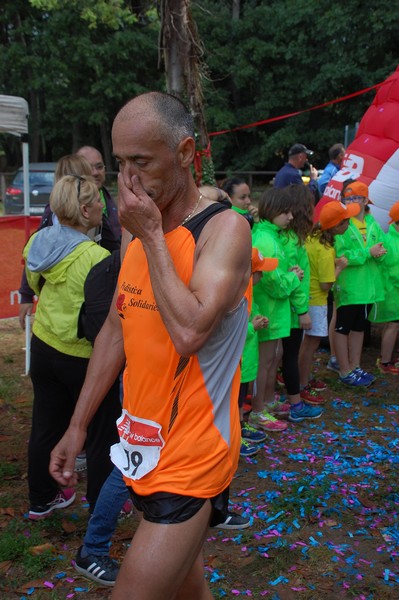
278, 409
280, 379
311, 397
266, 422
390, 368
248, 449
63, 499
251, 434
101, 569
246, 407
365, 374
354, 379
234, 521
317, 386
333, 364
126, 511
305, 412
80, 463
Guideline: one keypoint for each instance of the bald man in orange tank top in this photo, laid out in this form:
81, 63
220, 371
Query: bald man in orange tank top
178, 322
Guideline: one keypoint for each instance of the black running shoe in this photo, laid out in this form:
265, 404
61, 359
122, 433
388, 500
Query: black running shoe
234, 521
101, 569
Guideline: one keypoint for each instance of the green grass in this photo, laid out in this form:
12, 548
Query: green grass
9, 387
35, 566
19, 542
14, 542
8, 470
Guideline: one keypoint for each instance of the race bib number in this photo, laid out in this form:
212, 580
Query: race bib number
139, 448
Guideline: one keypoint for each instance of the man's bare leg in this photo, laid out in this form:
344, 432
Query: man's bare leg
164, 562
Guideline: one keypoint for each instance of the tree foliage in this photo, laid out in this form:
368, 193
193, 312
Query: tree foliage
75, 77
77, 62
285, 56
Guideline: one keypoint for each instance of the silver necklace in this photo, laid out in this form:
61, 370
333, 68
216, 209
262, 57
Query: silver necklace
193, 211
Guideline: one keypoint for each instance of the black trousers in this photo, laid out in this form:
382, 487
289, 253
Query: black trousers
57, 379
290, 368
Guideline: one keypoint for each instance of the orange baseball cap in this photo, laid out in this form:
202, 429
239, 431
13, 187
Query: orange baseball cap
357, 188
260, 263
334, 212
394, 213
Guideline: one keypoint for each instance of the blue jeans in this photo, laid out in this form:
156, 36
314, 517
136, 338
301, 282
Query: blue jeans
103, 521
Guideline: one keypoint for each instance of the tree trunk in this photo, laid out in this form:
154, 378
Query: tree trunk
106, 146
76, 137
236, 10
182, 52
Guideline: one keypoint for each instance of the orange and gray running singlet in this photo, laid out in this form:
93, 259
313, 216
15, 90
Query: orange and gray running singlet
179, 429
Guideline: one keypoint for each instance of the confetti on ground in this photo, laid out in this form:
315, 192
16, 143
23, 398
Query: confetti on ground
322, 499
319, 483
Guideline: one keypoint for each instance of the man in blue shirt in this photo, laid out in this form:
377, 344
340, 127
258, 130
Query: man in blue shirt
336, 155
290, 173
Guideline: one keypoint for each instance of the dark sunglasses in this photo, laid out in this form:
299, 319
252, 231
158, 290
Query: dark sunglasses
80, 179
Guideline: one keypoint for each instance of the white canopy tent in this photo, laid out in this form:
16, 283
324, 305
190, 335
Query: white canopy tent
14, 113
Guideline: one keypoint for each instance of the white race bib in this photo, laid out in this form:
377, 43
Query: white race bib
139, 448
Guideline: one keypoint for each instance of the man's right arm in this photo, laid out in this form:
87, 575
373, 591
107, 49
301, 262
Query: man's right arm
106, 363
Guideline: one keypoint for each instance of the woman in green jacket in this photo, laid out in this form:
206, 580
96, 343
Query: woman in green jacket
240, 196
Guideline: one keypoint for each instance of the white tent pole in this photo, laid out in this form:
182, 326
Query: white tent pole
25, 165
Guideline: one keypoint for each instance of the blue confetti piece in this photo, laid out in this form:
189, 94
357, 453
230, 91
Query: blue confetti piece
280, 579
296, 524
216, 577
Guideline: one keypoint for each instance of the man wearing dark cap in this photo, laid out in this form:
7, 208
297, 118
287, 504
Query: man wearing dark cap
290, 173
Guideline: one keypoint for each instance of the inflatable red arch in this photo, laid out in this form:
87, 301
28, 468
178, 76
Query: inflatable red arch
373, 156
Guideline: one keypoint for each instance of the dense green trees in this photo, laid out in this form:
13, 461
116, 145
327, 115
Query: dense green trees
74, 73
288, 55
77, 63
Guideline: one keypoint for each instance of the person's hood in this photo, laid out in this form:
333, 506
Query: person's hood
52, 245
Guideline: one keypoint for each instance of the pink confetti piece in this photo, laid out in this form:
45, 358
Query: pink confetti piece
299, 589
